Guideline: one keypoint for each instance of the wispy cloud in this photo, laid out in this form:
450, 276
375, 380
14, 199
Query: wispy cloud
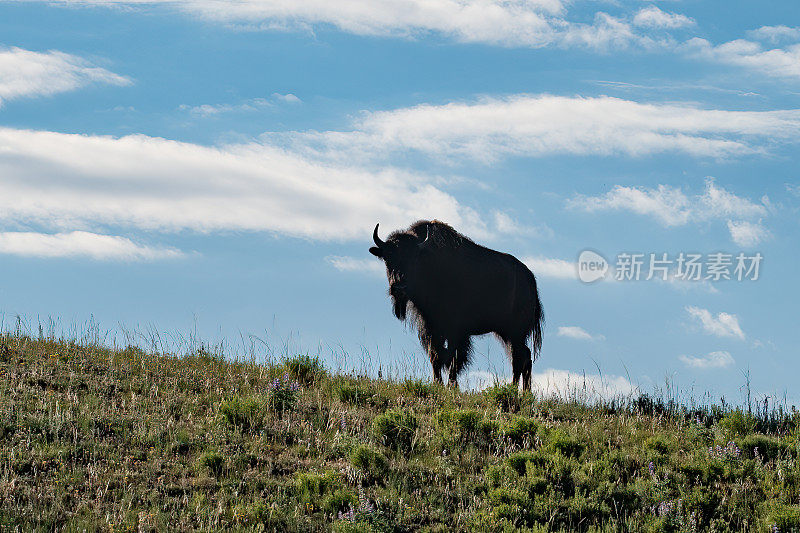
653, 17
69, 181
551, 268
775, 62
723, 325
24, 73
540, 125
576, 332
512, 23
672, 207
747, 234
712, 360
775, 34
247, 106
355, 264
82, 244
208, 110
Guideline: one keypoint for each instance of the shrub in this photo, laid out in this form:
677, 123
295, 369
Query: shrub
372, 463
519, 462
312, 486
305, 369
658, 444
211, 461
246, 414
738, 423
418, 388
521, 430
358, 395
767, 448
565, 444
339, 501
460, 425
784, 517
506, 397
395, 429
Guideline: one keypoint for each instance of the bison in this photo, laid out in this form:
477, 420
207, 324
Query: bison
452, 288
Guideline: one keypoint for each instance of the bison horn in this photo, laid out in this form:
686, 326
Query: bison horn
378, 242
427, 236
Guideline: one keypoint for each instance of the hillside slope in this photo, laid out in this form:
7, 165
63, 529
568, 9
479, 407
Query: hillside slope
96, 439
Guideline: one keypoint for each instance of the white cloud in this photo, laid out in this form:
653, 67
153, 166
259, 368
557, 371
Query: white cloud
775, 34
251, 105
746, 233
81, 244
24, 73
69, 181
672, 207
288, 98
776, 62
562, 383
576, 332
653, 17
513, 23
712, 360
540, 125
505, 224
724, 325
208, 110
551, 268
370, 265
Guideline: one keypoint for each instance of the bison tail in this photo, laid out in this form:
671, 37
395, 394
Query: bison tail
537, 320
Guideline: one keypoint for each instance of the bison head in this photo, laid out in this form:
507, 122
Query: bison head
400, 252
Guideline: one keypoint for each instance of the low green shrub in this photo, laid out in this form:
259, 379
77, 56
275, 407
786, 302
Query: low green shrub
211, 461
738, 423
312, 486
565, 444
246, 414
418, 388
372, 464
361, 396
395, 429
506, 397
782, 517
762, 447
305, 369
521, 430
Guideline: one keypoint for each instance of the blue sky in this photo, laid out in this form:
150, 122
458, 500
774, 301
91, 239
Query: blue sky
201, 165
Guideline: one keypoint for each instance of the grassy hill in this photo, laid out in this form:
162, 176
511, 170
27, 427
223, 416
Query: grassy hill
97, 439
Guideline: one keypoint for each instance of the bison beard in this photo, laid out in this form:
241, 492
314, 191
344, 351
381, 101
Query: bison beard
451, 288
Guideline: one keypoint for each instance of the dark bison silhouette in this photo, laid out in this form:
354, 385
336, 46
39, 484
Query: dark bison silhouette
452, 288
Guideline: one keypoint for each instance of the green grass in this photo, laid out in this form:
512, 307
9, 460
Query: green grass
98, 439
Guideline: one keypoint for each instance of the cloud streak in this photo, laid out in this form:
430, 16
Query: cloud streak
81, 244
24, 73
541, 125
67, 181
672, 207
719, 359
576, 332
723, 325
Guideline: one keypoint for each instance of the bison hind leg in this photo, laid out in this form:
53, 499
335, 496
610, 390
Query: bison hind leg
462, 354
521, 364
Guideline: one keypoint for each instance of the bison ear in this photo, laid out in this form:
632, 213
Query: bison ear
377, 252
